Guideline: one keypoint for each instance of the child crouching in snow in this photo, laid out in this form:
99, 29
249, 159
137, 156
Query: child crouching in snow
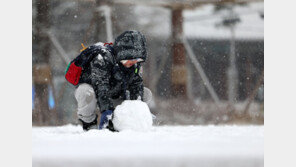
105, 75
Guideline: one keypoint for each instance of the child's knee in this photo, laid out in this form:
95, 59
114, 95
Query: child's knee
85, 94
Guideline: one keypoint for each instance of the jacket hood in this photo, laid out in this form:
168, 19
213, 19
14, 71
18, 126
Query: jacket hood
130, 45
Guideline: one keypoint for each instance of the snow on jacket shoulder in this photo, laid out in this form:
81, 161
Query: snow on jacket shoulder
98, 73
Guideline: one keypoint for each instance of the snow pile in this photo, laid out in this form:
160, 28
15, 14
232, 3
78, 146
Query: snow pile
132, 115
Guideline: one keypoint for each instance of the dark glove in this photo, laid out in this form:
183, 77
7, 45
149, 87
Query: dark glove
106, 117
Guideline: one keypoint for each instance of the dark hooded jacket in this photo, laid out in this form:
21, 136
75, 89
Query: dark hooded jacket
109, 78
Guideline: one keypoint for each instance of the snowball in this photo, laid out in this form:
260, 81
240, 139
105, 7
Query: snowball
132, 115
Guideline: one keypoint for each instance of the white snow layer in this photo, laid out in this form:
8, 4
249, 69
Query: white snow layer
132, 115
170, 146
202, 21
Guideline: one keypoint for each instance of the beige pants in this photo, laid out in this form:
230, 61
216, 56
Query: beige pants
87, 102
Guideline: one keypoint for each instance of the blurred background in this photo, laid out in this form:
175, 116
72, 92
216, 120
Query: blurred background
205, 57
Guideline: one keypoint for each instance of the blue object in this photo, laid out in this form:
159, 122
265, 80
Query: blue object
106, 116
51, 102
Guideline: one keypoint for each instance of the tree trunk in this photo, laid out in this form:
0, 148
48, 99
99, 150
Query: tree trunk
179, 71
41, 70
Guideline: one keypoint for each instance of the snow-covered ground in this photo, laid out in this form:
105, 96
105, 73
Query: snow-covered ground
165, 146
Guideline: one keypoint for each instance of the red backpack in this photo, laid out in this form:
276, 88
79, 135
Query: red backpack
75, 67
73, 73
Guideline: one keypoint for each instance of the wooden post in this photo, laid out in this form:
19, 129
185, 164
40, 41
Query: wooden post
41, 69
179, 72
